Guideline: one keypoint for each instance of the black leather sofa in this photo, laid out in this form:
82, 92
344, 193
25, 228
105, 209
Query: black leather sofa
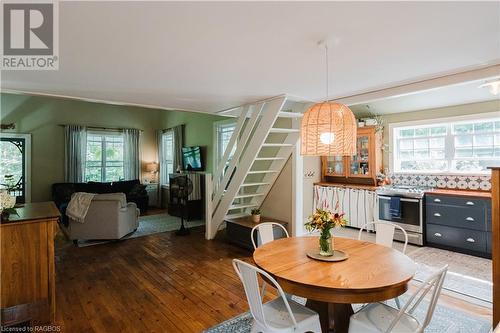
133, 189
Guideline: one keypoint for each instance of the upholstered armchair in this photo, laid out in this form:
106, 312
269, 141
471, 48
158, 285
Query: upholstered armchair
109, 217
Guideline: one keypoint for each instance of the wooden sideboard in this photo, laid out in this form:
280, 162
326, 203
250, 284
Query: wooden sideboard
27, 265
238, 230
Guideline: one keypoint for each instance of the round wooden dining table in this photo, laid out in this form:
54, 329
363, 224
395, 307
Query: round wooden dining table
371, 273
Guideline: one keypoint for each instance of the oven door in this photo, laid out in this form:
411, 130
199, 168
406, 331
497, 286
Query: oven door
411, 213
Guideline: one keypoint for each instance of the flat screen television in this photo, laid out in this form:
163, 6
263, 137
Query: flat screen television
192, 159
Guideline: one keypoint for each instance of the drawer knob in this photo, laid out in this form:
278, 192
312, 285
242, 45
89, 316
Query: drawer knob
469, 203
471, 240
470, 218
437, 234
437, 200
437, 214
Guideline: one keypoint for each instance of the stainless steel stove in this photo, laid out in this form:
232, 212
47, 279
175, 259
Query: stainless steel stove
406, 191
410, 200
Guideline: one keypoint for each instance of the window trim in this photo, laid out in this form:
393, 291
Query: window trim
217, 125
169, 132
27, 160
103, 157
435, 121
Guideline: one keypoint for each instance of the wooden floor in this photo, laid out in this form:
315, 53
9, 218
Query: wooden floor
157, 283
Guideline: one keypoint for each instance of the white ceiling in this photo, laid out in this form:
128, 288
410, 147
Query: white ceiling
465, 93
211, 56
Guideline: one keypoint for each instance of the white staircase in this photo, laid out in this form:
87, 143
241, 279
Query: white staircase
265, 136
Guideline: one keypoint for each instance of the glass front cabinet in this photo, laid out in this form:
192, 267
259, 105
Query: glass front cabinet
361, 168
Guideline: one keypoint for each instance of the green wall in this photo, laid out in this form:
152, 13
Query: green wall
41, 117
199, 131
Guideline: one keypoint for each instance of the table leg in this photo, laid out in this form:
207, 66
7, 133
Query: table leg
333, 316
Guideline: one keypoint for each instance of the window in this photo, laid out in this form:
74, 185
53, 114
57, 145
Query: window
15, 165
104, 158
224, 132
168, 152
466, 146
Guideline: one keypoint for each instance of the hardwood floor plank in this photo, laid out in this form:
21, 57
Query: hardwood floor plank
158, 283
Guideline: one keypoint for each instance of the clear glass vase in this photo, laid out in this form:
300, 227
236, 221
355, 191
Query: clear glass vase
326, 243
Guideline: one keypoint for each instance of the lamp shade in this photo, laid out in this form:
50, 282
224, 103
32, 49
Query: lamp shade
152, 167
328, 129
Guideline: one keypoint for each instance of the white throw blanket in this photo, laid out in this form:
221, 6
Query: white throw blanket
79, 206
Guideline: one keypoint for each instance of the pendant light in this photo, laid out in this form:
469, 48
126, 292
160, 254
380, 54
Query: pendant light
328, 128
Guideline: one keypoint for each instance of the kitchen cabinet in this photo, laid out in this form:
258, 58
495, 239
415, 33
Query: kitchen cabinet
459, 223
361, 168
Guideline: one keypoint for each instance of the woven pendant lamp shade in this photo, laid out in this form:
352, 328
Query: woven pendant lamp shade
328, 129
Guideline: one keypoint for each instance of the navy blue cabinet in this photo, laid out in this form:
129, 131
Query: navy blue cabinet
459, 223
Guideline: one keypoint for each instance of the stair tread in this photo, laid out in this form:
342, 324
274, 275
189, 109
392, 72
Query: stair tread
277, 145
290, 115
269, 158
283, 130
235, 216
262, 171
246, 205
253, 184
249, 195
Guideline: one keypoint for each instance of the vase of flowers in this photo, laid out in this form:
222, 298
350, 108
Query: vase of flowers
324, 221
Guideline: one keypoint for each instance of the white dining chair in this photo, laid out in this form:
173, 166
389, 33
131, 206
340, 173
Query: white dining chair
279, 315
265, 231
380, 317
384, 235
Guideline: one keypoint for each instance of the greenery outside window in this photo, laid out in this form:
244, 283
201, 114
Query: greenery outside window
168, 153
104, 157
461, 147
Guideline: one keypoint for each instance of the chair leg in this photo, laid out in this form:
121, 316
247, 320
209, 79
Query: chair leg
263, 291
398, 304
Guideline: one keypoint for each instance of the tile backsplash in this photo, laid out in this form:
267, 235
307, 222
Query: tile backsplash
482, 183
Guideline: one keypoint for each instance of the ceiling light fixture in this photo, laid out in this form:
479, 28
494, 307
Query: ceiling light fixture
493, 86
328, 128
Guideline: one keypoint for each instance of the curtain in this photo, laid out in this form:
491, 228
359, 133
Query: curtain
162, 172
75, 139
178, 144
131, 154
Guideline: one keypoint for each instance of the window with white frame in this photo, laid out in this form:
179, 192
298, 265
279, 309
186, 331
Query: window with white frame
465, 146
224, 133
168, 152
104, 157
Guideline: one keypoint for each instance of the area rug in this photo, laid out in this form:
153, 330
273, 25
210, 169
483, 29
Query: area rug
445, 320
149, 225
467, 275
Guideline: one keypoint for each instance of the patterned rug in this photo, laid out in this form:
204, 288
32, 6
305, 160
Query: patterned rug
445, 320
467, 275
149, 225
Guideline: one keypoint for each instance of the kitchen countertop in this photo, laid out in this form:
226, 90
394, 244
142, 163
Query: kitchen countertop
363, 187
464, 193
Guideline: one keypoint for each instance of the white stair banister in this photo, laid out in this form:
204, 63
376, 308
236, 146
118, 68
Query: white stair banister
250, 144
237, 154
229, 148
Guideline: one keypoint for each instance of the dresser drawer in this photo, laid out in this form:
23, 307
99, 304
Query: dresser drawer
472, 240
469, 202
454, 216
